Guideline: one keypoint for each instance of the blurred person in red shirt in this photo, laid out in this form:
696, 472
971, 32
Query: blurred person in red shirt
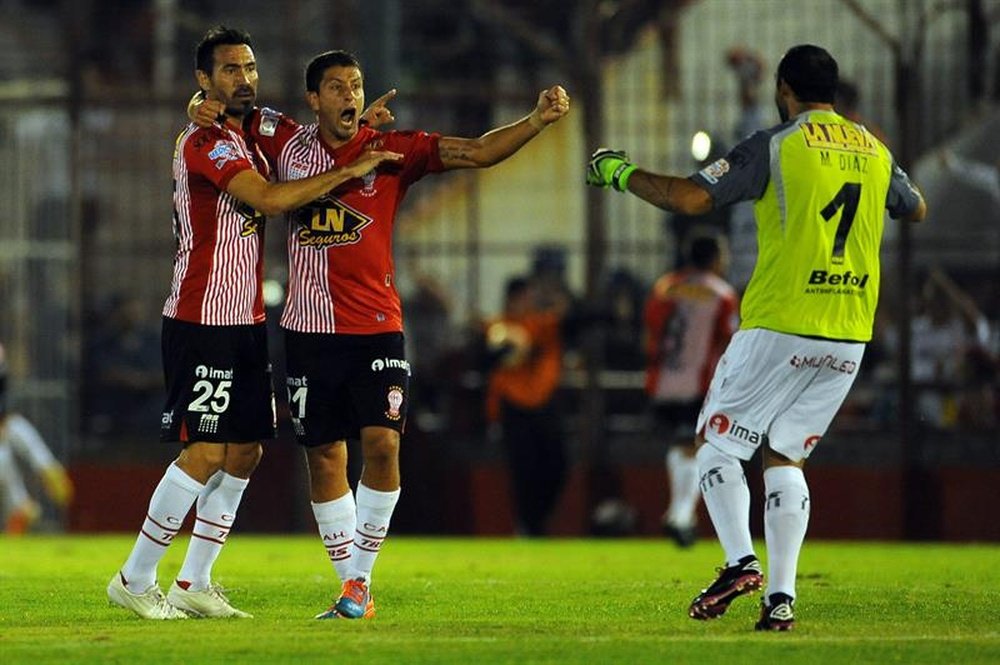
689, 317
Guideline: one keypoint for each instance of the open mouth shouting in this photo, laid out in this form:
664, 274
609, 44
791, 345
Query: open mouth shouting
348, 117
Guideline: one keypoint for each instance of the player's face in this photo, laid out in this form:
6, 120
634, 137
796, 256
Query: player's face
340, 101
234, 78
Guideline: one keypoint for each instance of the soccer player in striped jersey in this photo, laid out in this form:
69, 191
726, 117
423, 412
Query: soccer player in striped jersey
347, 371
220, 400
689, 317
820, 184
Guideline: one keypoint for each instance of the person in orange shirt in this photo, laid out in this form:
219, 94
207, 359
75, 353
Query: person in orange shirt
525, 347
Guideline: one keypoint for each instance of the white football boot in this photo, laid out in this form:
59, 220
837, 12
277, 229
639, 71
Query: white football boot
150, 604
207, 603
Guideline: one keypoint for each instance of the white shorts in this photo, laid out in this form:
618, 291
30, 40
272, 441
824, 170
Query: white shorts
783, 389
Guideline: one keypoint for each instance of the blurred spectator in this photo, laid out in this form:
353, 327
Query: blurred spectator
981, 176
125, 384
21, 444
690, 316
847, 104
952, 365
749, 68
623, 321
429, 340
525, 357
548, 277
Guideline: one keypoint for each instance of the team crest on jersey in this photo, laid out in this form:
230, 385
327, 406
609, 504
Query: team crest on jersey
222, 152
330, 223
368, 181
268, 121
297, 171
715, 170
395, 399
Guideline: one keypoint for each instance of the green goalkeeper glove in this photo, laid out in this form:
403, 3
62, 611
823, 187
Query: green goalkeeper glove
609, 168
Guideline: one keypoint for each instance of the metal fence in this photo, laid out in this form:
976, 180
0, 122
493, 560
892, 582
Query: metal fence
84, 172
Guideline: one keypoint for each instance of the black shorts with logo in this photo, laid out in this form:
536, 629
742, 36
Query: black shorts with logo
218, 383
676, 421
339, 383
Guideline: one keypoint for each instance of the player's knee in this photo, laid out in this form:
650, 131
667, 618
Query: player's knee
201, 460
773, 458
242, 458
327, 459
718, 468
380, 446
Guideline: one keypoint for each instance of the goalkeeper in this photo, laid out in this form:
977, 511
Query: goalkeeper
21, 442
819, 184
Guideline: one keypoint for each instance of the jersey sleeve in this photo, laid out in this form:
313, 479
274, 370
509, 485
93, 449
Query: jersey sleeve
420, 150
742, 175
902, 197
271, 130
213, 155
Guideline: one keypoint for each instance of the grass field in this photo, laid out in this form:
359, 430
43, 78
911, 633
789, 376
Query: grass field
507, 601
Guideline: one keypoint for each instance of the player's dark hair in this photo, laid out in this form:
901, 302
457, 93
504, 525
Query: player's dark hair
322, 62
516, 286
811, 72
704, 251
220, 35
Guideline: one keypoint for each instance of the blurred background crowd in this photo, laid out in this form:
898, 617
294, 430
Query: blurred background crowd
93, 92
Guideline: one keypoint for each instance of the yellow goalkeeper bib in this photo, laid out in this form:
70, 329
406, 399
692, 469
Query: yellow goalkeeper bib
819, 230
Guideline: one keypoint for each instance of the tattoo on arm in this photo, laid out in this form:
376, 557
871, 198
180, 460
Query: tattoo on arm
654, 189
454, 153
663, 189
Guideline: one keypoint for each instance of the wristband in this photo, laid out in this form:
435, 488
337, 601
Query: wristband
619, 179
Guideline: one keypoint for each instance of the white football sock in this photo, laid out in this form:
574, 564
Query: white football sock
336, 521
374, 512
13, 493
684, 490
786, 517
217, 506
168, 507
727, 498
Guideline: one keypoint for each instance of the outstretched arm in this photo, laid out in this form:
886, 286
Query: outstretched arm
612, 168
270, 198
670, 193
499, 144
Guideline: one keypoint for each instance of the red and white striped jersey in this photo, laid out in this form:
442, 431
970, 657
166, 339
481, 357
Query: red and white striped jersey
340, 261
218, 266
690, 317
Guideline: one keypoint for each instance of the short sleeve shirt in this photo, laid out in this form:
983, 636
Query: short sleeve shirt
218, 264
820, 185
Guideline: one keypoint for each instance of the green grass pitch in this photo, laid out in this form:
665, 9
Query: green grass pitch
443, 600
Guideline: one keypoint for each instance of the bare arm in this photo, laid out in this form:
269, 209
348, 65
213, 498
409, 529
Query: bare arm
270, 198
670, 193
500, 143
612, 168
